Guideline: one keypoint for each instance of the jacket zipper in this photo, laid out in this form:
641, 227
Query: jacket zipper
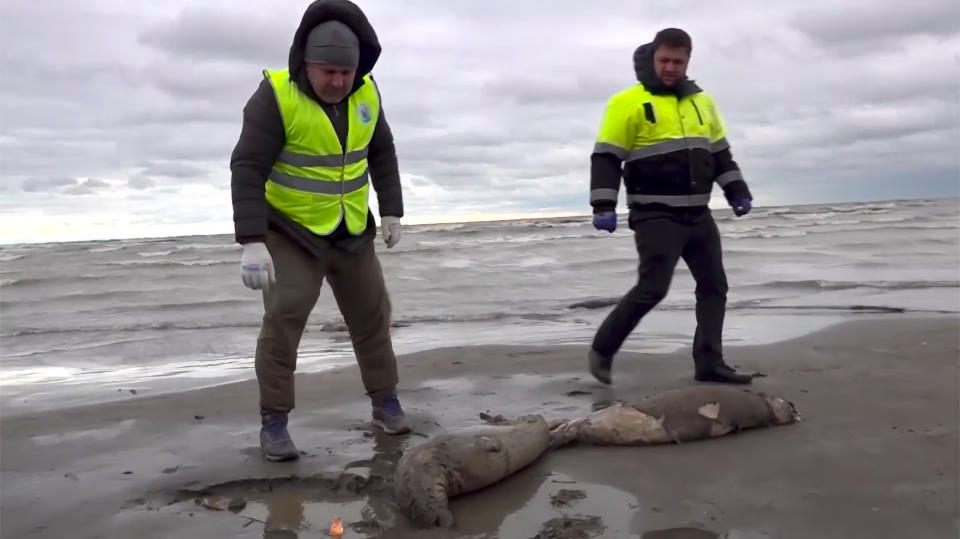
683, 131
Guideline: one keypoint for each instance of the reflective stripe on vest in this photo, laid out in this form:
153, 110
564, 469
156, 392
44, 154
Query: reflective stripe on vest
315, 181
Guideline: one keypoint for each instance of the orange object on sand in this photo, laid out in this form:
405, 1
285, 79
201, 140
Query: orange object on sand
336, 527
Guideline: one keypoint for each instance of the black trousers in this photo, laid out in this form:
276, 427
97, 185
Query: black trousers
661, 242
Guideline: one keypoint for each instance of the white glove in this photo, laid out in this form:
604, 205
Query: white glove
256, 266
390, 229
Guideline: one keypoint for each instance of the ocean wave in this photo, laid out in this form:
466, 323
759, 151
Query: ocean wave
124, 301
335, 325
191, 247
824, 284
105, 249
826, 212
562, 224
10, 257
112, 294
813, 226
26, 281
533, 262
864, 208
208, 247
559, 315
798, 229
216, 306
501, 239
161, 264
423, 229
760, 234
456, 263
855, 308
771, 212
475, 317
151, 326
157, 253
63, 347
760, 304
826, 215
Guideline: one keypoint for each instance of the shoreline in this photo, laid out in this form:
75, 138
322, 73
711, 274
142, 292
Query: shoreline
47, 397
879, 463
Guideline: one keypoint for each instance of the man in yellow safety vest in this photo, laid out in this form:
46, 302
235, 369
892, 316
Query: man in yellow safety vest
668, 137
314, 138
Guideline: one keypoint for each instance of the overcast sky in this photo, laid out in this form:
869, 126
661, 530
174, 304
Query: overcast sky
117, 118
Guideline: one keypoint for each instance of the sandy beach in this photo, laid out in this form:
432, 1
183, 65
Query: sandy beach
876, 455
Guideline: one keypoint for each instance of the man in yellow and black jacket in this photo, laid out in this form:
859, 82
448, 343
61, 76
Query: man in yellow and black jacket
666, 134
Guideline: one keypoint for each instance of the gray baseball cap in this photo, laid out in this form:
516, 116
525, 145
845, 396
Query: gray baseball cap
332, 42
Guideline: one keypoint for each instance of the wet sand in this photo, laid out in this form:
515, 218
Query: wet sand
876, 455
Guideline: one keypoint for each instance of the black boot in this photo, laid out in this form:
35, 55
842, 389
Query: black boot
600, 366
723, 374
274, 439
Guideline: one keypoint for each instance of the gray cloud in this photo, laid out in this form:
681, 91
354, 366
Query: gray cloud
167, 176
490, 111
87, 187
870, 21
174, 170
141, 182
39, 185
66, 186
206, 34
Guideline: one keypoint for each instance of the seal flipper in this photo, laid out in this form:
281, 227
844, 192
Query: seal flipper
670, 432
445, 519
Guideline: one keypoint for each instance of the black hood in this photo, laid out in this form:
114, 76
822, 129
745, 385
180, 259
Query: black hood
346, 12
643, 67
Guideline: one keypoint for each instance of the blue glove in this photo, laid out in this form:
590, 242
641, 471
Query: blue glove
742, 207
605, 220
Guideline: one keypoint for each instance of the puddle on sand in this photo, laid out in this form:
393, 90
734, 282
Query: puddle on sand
680, 533
525, 506
292, 512
284, 514
696, 533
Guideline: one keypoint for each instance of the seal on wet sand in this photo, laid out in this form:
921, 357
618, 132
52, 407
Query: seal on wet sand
676, 415
462, 461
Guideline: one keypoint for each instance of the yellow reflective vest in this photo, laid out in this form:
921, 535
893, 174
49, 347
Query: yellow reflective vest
315, 181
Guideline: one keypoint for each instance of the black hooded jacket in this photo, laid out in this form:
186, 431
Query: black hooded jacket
676, 168
262, 138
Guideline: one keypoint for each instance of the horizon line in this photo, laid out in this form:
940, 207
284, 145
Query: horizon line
487, 218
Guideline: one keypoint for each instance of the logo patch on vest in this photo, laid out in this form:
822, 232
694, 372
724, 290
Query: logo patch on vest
364, 110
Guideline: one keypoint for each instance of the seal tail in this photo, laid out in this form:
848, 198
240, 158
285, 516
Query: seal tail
565, 431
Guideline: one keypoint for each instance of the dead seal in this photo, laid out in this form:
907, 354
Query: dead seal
676, 415
462, 461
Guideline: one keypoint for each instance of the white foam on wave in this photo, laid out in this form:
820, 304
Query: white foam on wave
456, 263
105, 249
760, 234
532, 262
151, 254
207, 246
